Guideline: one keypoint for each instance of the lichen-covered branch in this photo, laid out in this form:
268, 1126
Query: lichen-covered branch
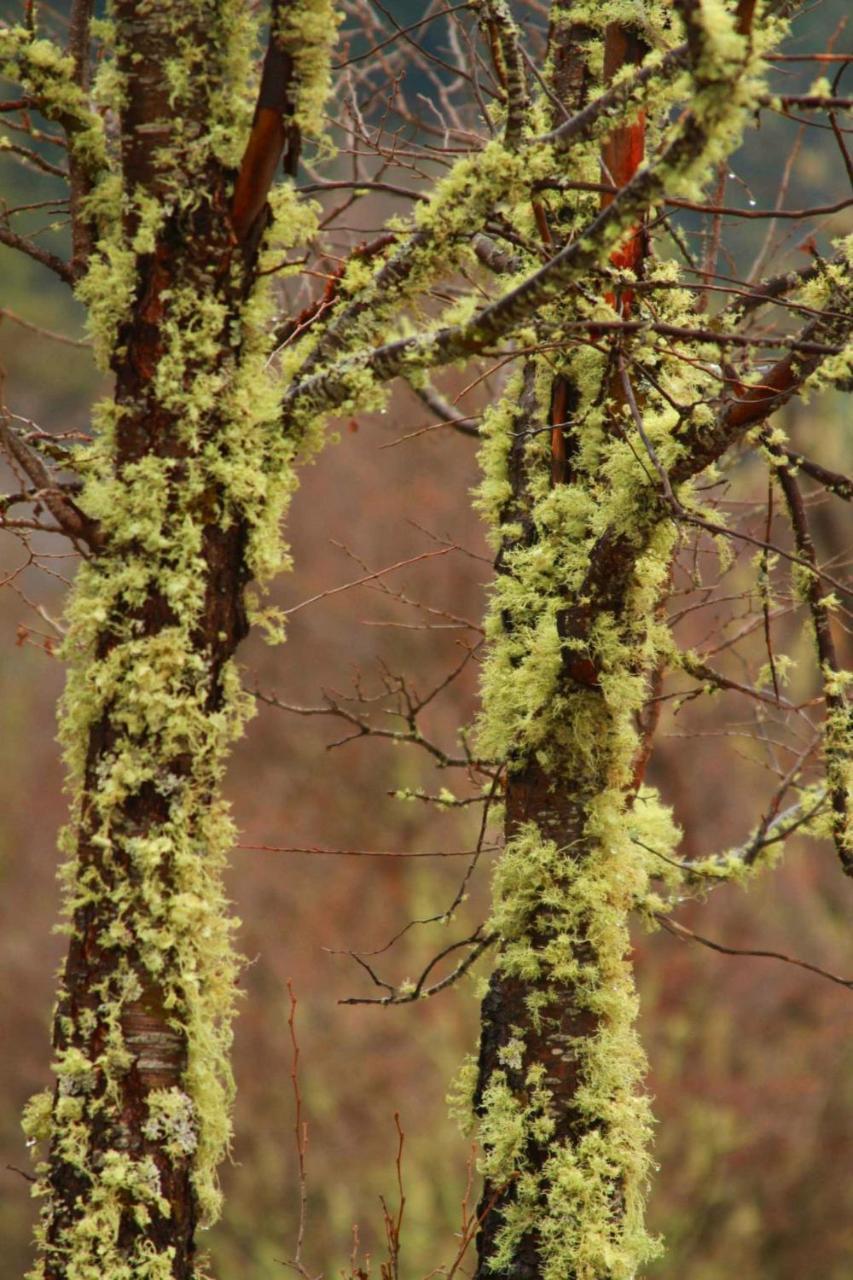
839, 715
698, 137
585, 549
496, 17
81, 178
559, 1115
57, 83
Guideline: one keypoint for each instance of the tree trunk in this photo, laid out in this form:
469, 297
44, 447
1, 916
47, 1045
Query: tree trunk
139, 1118
561, 1123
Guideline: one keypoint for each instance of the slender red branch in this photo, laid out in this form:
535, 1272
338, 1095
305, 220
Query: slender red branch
273, 136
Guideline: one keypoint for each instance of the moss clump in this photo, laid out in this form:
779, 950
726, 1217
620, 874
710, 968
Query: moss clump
47, 74
308, 30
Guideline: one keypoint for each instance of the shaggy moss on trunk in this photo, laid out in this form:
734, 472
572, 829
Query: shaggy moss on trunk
584, 541
184, 490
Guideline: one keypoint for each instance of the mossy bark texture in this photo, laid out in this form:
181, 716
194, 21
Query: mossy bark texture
185, 466
571, 1203
584, 547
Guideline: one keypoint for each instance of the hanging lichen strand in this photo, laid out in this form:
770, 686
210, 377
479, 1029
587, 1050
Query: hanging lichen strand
585, 540
187, 481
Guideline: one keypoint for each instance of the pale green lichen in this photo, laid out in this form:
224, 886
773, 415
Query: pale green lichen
173, 714
172, 1121
168, 921
587, 739
561, 910
308, 30
47, 74
36, 1119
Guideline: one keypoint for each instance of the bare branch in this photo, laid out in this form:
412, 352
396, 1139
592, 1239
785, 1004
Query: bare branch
74, 523
47, 259
478, 943
687, 935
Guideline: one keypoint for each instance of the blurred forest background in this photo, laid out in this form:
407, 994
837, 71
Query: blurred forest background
751, 1060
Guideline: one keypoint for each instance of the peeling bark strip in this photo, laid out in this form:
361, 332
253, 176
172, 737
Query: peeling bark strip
623, 152
275, 136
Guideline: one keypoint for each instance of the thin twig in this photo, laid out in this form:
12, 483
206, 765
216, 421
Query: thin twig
684, 934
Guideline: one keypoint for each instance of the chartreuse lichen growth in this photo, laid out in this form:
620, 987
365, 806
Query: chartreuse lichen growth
149, 711
308, 30
561, 904
46, 72
563, 684
561, 907
723, 87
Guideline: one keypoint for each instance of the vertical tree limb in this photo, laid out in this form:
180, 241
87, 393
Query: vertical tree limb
839, 715
274, 137
80, 178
